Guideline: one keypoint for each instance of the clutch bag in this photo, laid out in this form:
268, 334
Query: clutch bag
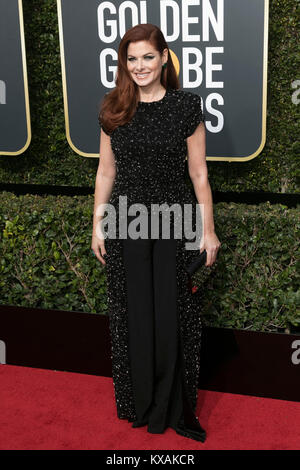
196, 263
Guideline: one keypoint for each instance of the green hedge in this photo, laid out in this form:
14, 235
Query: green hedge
46, 261
50, 160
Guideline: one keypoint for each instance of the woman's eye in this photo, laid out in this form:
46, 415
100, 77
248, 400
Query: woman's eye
147, 57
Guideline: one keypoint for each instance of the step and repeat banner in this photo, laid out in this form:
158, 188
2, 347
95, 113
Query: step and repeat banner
219, 49
15, 128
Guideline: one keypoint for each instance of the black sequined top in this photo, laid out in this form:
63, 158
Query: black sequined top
151, 149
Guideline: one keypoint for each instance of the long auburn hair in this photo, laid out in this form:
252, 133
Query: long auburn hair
119, 105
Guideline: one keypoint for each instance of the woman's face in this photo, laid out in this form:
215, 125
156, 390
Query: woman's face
144, 62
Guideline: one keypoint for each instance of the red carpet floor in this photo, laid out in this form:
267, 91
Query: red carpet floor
44, 409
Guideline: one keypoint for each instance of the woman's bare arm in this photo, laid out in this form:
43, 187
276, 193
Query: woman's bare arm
105, 178
199, 175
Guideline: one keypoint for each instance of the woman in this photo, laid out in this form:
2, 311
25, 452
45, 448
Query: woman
148, 127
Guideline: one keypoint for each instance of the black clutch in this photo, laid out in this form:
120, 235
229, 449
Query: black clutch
196, 263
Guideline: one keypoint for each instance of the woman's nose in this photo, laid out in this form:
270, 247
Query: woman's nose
139, 65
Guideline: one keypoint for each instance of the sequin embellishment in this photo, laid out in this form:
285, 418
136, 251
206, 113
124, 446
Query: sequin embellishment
150, 153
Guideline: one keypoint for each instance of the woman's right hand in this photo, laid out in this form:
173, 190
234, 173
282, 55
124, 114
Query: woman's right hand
98, 248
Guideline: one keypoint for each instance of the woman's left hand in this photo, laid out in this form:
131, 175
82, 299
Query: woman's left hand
211, 244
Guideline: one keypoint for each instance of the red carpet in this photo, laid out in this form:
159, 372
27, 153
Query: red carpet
44, 409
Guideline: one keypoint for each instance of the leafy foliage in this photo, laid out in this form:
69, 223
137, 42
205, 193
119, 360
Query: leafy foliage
46, 258
50, 160
46, 261
254, 283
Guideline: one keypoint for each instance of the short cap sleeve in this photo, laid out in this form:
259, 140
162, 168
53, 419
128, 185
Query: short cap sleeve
194, 114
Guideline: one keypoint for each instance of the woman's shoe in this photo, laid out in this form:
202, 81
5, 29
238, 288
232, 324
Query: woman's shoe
196, 435
192, 429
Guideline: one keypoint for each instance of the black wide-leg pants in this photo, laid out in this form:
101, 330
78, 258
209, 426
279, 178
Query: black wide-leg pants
153, 328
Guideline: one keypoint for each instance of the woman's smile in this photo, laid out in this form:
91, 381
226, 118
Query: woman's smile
142, 75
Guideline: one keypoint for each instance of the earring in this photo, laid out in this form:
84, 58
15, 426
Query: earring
165, 64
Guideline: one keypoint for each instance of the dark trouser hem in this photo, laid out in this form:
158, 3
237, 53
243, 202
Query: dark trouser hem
155, 431
182, 430
138, 424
